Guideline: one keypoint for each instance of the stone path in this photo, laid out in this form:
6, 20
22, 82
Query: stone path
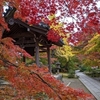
92, 85
75, 83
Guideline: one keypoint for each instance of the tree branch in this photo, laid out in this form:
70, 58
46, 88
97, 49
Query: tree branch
8, 63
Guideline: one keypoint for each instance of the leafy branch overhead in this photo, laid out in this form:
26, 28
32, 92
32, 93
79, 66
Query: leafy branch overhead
74, 16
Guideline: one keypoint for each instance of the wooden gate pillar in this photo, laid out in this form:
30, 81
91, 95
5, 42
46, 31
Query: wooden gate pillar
48, 56
37, 53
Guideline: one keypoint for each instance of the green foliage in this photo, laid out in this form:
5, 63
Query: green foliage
53, 68
94, 73
69, 66
71, 74
43, 61
73, 63
85, 68
66, 65
29, 61
62, 60
41, 95
82, 69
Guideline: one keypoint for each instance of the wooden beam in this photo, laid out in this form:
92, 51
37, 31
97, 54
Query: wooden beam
32, 28
22, 34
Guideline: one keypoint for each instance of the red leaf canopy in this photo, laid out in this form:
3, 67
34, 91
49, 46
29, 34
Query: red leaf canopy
84, 14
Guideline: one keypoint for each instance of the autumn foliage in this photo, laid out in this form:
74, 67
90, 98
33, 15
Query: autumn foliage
79, 17
28, 82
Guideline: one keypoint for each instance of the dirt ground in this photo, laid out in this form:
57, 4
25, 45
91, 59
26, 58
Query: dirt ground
75, 83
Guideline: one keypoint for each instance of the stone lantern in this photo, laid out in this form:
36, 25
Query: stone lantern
58, 66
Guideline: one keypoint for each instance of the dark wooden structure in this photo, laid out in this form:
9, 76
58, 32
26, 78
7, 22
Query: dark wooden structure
31, 38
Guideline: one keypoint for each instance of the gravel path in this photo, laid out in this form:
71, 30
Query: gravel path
75, 83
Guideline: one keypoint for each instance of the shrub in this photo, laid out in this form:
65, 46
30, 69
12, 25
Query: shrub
71, 74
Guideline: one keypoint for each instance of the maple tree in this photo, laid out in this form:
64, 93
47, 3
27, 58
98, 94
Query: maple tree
78, 49
84, 16
91, 51
64, 51
30, 81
